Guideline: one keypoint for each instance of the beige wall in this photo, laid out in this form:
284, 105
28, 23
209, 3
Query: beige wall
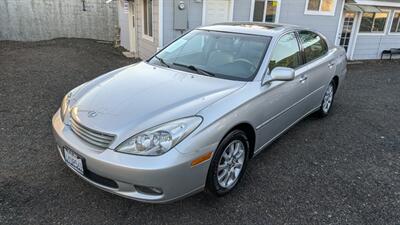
146, 47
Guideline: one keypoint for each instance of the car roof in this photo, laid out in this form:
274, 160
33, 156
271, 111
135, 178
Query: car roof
256, 28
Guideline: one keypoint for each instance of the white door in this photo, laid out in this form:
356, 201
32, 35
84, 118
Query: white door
346, 38
217, 11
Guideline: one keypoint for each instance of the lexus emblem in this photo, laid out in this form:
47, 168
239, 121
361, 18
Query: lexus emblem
92, 114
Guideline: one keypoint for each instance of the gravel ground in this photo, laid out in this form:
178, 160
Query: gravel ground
344, 169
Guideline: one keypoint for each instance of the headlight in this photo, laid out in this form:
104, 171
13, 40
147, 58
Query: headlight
65, 106
160, 139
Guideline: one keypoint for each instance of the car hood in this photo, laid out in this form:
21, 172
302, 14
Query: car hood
141, 96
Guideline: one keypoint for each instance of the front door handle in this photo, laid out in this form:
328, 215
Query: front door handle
303, 79
330, 65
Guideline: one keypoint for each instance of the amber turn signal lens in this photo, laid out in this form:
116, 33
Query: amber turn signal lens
201, 159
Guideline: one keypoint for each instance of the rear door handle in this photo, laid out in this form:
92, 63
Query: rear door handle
330, 65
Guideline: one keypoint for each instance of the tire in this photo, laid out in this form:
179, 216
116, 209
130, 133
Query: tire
327, 100
226, 161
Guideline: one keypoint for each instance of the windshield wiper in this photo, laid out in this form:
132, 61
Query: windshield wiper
198, 70
162, 61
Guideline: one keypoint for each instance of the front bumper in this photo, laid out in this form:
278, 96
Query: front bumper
171, 172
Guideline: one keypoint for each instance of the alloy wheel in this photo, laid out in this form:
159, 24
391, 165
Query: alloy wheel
328, 98
230, 164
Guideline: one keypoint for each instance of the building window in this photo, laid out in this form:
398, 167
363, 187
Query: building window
148, 18
321, 7
373, 22
395, 23
266, 11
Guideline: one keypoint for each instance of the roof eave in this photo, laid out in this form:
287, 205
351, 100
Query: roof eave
377, 3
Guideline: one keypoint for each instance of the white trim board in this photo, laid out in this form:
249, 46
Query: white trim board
252, 9
145, 36
357, 24
131, 28
319, 12
340, 25
391, 23
160, 23
377, 3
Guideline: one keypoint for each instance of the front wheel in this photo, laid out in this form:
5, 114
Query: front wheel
327, 101
228, 164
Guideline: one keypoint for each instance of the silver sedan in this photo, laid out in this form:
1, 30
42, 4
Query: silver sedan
192, 116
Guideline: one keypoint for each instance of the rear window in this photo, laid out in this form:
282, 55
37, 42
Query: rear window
314, 45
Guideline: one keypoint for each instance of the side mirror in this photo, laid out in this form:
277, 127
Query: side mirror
280, 74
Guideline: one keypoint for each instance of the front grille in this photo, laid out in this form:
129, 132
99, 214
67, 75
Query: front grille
93, 137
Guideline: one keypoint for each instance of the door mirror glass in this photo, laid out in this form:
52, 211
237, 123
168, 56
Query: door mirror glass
280, 74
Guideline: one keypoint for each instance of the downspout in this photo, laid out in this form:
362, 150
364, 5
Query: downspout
357, 28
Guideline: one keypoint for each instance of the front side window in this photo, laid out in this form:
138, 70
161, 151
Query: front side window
148, 18
321, 7
314, 45
286, 53
373, 22
266, 11
224, 55
395, 23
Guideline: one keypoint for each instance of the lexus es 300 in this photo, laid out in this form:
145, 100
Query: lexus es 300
191, 117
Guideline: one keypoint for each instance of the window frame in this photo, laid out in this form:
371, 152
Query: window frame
302, 48
319, 12
391, 23
143, 5
278, 11
380, 33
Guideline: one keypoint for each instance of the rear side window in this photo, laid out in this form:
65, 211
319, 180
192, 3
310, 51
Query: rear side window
314, 45
286, 53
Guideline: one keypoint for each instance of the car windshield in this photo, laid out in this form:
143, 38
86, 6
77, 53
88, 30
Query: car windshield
224, 55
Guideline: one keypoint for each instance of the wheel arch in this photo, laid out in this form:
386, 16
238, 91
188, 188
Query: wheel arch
250, 132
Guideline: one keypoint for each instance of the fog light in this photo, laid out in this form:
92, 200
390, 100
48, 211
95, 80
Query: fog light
148, 190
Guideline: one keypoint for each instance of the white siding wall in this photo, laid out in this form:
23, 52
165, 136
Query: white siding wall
292, 12
241, 10
194, 20
371, 46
